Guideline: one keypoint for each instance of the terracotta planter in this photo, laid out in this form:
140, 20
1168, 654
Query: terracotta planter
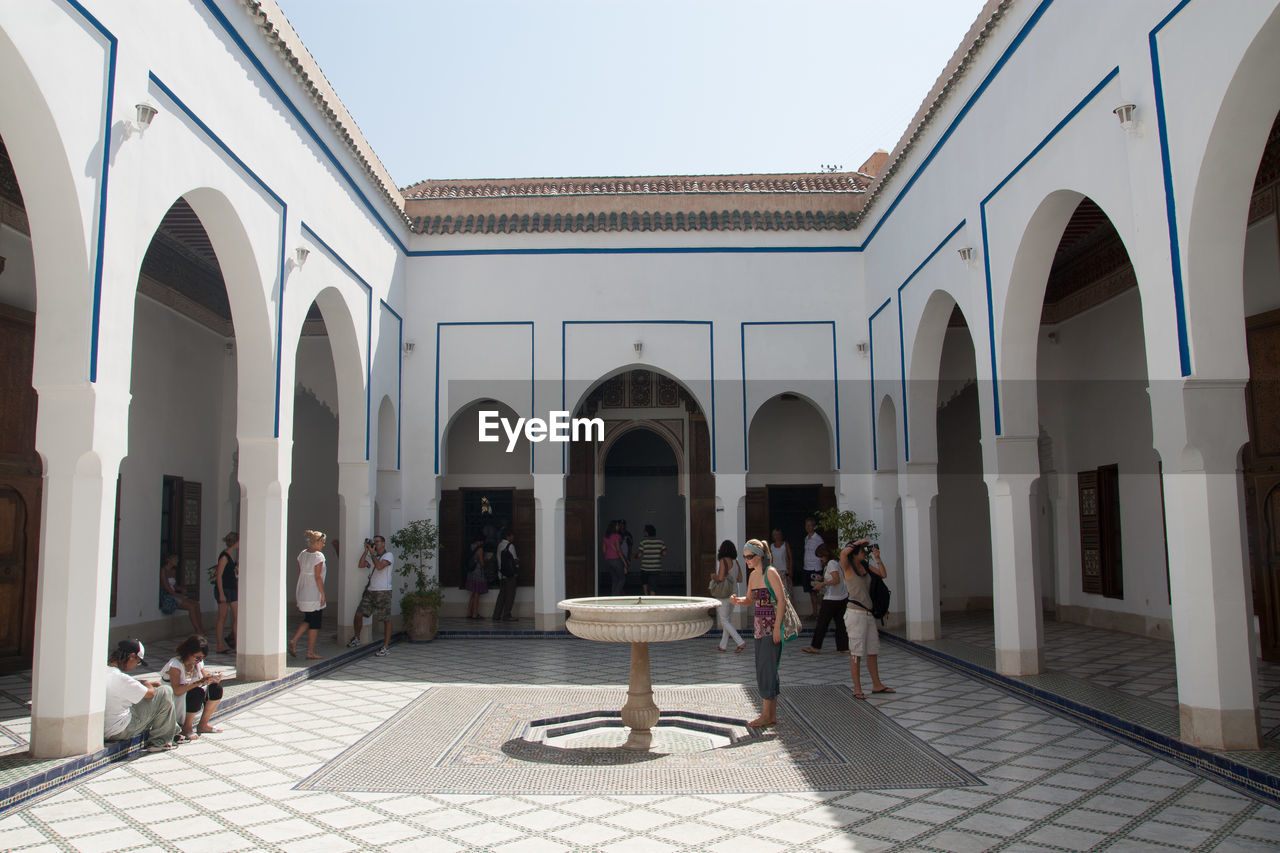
423, 626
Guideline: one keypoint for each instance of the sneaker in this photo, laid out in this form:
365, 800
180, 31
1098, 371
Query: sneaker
382, 652
159, 747
353, 642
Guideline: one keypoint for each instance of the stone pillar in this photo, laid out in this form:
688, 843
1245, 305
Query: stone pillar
357, 520
1015, 592
1199, 427
266, 561
80, 433
919, 486
549, 585
731, 524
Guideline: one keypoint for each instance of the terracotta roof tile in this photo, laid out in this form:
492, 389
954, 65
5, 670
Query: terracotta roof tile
823, 182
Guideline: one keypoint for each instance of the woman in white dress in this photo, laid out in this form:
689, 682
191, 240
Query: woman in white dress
310, 593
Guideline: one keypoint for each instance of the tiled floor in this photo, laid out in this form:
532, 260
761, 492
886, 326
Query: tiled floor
1046, 783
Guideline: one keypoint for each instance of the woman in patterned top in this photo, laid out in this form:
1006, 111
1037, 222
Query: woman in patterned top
763, 588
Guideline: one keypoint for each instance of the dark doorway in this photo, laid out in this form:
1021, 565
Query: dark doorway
641, 486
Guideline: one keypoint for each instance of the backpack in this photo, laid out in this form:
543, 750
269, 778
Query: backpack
508, 564
879, 592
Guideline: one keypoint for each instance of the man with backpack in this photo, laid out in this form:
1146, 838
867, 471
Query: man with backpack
859, 619
508, 578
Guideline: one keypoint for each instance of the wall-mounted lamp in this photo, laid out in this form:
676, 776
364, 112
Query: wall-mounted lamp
864, 347
1052, 337
300, 255
145, 113
229, 348
966, 255
408, 347
1125, 112
639, 348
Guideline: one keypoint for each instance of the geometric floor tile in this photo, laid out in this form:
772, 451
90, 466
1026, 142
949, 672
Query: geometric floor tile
479, 740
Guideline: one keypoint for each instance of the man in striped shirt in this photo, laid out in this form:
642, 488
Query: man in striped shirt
650, 553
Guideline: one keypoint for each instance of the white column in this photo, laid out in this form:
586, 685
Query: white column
265, 558
80, 433
1199, 427
357, 520
919, 485
1016, 585
549, 585
731, 494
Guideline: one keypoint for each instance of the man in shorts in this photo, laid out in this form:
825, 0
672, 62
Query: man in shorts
375, 604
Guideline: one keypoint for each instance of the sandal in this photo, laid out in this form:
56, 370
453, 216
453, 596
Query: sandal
212, 730
810, 650
720, 649
885, 690
184, 738
739, 649
315, 657
860, 696
293, 652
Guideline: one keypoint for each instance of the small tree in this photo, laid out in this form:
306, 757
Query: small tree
846, 525
415, 546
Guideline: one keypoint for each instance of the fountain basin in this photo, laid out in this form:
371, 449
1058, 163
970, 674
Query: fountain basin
639, 619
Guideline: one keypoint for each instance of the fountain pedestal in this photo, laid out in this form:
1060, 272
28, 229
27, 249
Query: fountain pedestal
639, 621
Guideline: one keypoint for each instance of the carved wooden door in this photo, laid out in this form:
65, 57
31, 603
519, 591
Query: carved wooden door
20, 490
1262, 476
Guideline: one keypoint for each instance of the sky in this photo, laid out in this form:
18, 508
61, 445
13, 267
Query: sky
563, 88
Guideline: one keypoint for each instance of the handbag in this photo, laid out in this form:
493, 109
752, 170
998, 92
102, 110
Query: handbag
719, 588
790, 618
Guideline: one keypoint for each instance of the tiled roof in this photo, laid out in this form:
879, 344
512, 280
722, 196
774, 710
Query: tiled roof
824, 182
279, 33
801, 201
970, 47
714, 220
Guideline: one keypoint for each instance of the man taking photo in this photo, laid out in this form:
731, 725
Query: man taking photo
376, 602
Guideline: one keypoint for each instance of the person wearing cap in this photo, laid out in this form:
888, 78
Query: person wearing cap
134, 706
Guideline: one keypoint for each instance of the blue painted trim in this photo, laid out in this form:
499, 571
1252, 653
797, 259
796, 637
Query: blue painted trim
871, 349
1175, 251
834, 372
100, 239
532, 376
284, 216
964, 111
639, 250
711, 347
986, 255
399, 372
902, 349
368, 292
310, 131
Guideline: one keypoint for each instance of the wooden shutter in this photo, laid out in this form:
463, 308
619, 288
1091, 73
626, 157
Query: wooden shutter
525, 525
189, 551
451, 544
702, 504
580, 522
1100, 543
757, 514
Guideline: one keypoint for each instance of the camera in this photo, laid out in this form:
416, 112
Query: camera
874, 546
368, 543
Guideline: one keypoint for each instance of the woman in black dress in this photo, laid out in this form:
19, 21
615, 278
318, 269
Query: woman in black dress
227, 583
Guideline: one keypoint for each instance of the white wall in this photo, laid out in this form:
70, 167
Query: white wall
1262, 268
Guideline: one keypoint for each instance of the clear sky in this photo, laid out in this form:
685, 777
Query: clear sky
558, 88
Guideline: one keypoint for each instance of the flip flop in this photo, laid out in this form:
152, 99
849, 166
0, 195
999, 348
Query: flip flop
885, 690
293, 653
720, 649
315, 657
211, 731
739, 649
810, 650
859, 696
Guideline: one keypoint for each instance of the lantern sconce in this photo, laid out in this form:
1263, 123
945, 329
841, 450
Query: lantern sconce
638, 346
966, 255
409, 347
300, 256
145, 111
1128, 120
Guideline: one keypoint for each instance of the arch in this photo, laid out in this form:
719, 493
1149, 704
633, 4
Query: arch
519, 461
920, 429
794, 460
59, 240
1024, 302
703, 405
388, 435
349, 368
649, 426
887, 435
1219, 211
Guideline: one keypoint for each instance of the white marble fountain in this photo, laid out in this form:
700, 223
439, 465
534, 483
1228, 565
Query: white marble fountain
639, 620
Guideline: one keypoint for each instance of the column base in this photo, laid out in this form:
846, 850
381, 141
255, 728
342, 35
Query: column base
63, 737
1212, 728
923, 632
549, 621
267, 667
1019, 661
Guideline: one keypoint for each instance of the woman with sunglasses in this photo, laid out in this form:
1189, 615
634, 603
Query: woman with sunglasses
764, 586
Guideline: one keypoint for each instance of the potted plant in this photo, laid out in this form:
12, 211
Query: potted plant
845, 525
420, 595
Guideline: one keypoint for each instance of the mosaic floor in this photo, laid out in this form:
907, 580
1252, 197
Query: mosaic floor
1042, 782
